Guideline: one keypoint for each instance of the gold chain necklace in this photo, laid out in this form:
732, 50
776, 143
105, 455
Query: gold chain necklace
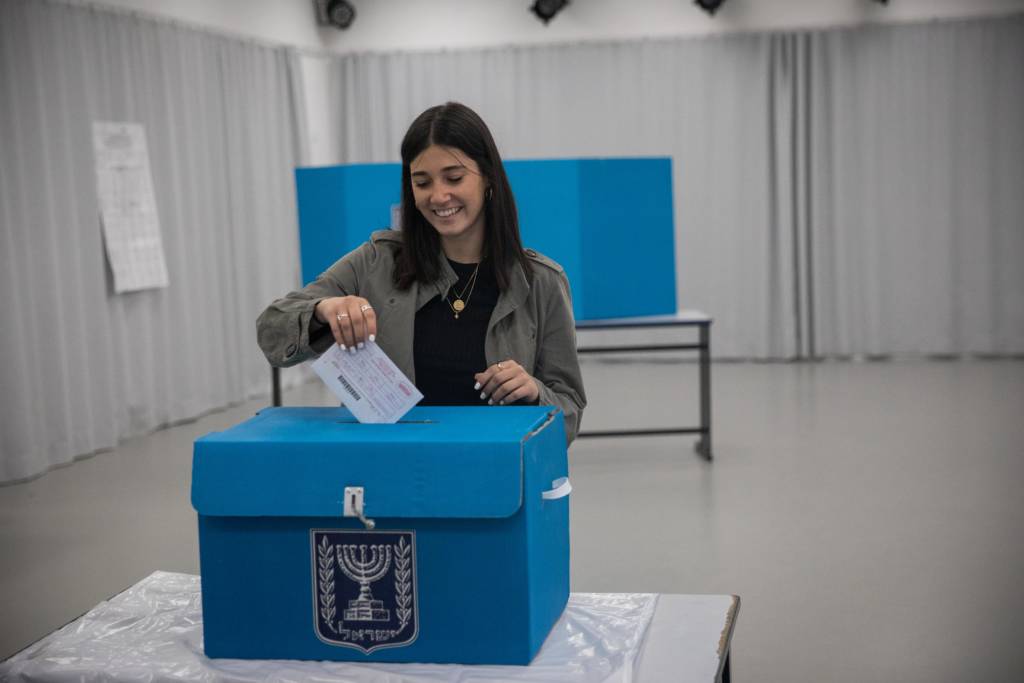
462, 298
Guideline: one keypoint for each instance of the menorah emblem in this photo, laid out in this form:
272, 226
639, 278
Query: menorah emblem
365, 564
346, 564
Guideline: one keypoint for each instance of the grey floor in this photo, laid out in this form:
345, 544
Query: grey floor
870, 515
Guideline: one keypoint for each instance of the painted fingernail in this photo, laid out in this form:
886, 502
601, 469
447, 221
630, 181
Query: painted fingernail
344, 348
373, 337
476, 387
501, 402
490, 402
483, 394
351, 349
360, 344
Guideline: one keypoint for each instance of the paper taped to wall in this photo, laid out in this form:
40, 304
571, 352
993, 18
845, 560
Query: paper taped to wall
131, 226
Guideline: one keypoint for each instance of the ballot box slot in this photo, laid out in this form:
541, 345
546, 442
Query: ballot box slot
353, 421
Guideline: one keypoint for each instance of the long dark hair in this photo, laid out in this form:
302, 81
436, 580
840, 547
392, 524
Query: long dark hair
456, 125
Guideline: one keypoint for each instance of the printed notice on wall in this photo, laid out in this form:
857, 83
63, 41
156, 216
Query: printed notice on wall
131, 227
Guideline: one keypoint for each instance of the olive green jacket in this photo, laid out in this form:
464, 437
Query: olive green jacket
532, 323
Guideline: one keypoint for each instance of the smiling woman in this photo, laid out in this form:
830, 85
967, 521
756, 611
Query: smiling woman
449, 191
453, 297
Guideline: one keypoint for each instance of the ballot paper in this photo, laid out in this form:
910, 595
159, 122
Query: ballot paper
368, 383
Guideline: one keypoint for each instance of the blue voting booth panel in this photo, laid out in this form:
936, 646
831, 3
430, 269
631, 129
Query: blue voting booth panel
467, 563
339, 206
608, 222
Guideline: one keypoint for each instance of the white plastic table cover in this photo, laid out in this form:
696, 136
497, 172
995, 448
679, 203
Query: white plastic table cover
153, 632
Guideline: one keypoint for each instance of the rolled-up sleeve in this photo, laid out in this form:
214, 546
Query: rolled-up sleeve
558, 369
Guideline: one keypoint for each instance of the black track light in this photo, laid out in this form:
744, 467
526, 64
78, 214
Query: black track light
336, 13
709, 6
546, 9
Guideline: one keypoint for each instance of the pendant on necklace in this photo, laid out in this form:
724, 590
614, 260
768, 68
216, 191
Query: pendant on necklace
458, 305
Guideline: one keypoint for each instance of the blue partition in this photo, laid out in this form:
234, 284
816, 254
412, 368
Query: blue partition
608, 222
339, 206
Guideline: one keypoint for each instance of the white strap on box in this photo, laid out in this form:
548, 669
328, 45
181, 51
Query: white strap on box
560, 488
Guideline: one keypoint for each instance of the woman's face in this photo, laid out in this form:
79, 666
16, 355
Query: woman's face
449, 191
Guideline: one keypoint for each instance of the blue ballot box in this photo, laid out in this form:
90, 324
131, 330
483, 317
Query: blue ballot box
467, 559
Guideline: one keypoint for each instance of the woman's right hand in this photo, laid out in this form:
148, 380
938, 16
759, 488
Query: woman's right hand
351, 318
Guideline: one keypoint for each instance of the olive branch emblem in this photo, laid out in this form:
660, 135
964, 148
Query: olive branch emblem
368, 623
403, 583
325, 553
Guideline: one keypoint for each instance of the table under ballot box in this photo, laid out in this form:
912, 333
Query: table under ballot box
442, 538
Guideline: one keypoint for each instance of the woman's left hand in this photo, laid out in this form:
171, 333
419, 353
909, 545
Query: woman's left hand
506, 382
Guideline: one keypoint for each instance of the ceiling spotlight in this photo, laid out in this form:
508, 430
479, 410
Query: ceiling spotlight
546, 9
709, 6
336, 13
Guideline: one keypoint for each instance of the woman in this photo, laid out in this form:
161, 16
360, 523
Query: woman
453, 298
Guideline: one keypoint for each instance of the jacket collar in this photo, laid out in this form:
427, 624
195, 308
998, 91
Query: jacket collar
513, 297
440, 286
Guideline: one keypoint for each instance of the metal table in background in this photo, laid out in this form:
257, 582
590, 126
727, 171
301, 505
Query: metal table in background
685, 319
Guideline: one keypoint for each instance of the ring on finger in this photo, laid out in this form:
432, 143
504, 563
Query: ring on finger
500, 366
340, 316
365, 307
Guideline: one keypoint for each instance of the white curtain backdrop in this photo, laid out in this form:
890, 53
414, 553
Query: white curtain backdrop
84, 367
837, 192
914, 201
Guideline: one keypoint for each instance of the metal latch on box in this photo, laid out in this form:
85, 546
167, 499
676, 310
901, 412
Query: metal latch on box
354, 505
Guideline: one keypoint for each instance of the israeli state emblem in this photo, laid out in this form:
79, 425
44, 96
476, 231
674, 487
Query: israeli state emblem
364, 588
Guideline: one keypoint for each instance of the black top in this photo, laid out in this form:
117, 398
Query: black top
449, 351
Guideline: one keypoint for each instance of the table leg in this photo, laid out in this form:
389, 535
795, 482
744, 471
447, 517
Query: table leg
704, 443
275, 384
726, 677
